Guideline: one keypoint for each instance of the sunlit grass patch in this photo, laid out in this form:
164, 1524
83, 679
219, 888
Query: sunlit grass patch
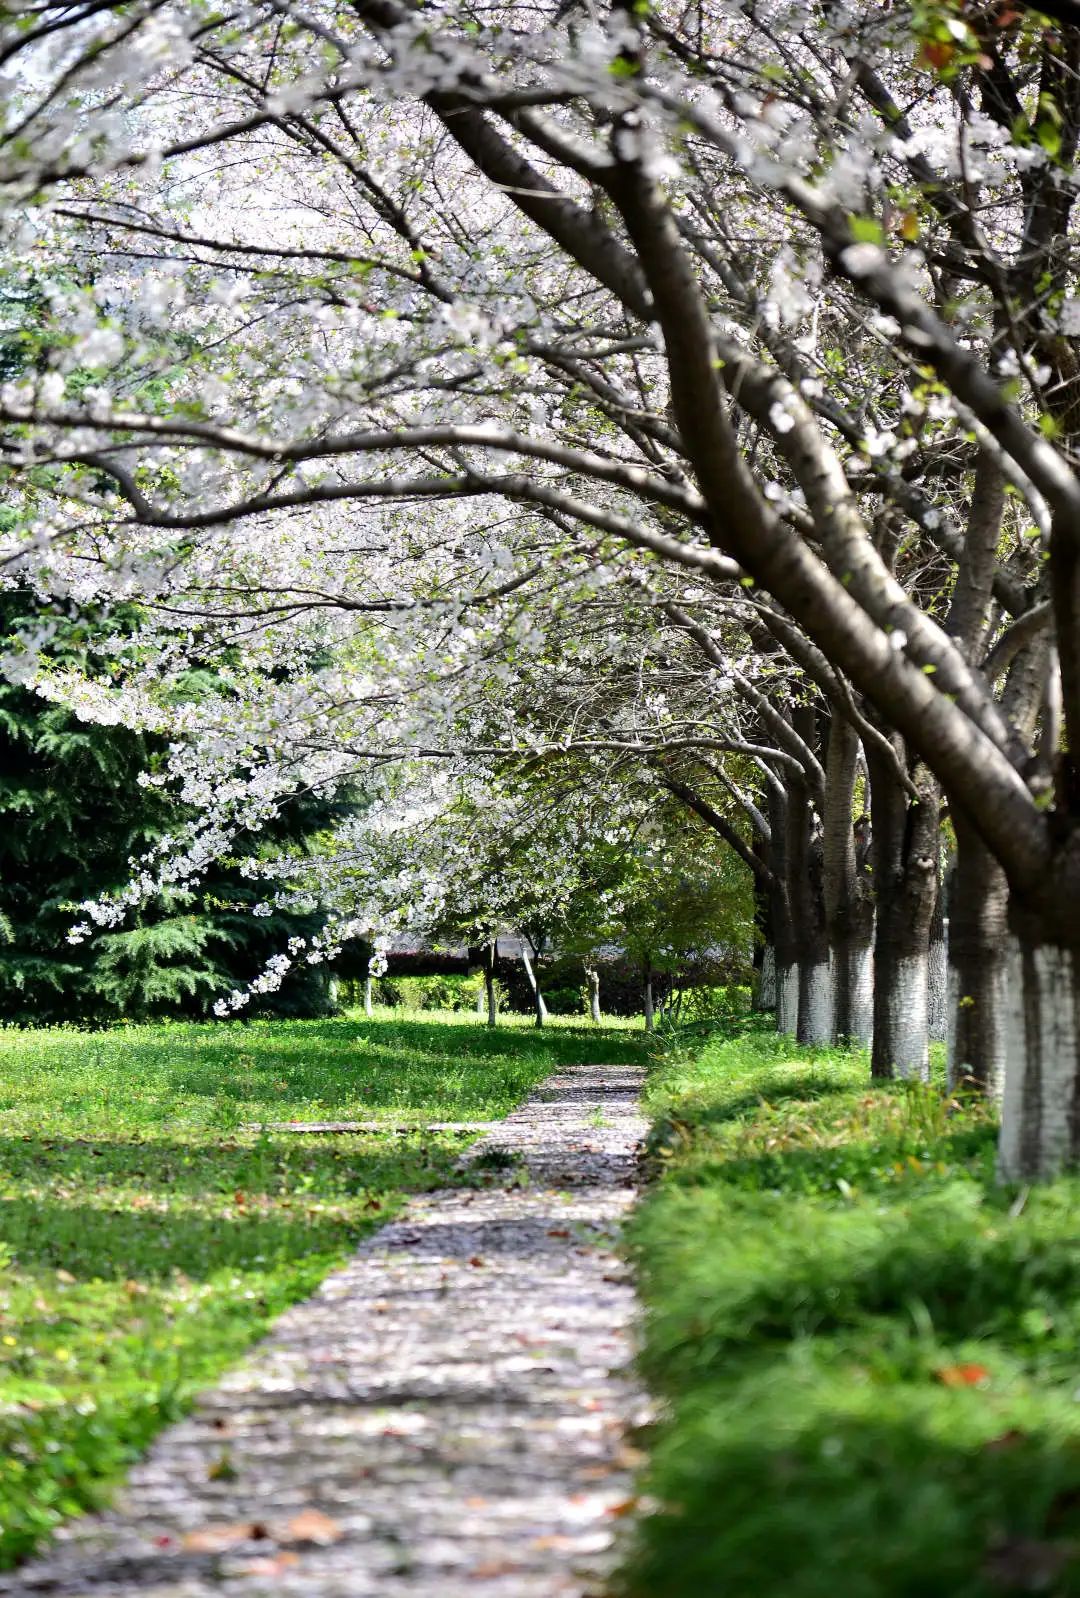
148, 1235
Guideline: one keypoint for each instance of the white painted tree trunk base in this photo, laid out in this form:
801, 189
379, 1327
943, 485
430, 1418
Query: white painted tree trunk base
906, 1006
859, 1031
816, 1015
594, 996
997, 1047
1042, 1041
938, 1007
766, 998
787, 999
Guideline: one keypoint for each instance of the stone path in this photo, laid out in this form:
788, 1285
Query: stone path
444, 1417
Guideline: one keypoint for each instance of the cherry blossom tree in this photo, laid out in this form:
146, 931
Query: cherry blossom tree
780, 298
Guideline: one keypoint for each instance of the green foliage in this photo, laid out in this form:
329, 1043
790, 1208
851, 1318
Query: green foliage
867, 1348
567, 1000
140, 971
74, 813
148, 1235
454, 993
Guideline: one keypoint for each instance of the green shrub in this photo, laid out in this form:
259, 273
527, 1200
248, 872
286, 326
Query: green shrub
452, 993
567, 1000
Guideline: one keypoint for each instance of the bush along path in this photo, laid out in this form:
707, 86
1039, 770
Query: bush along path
445, 1416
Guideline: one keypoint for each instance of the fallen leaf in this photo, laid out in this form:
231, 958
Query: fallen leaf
558, 1231
311, 1526
620, 1510
936, 53
216, 1539
476, 1260
269, 1565
962, 1375
494, 1567
65, 1276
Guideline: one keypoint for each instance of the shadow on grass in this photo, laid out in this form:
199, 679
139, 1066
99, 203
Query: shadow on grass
103, 1244
377, 1064
135, 1233
872, 1166
806, 1089
271, 1166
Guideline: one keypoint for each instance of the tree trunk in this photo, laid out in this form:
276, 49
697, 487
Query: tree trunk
489, 984
849, 909
901, 995
1040, 1126
593, 977
806, 867
765, 996
367, 994
905, 849
650, 1008
815, 1019
978, 965
540, 1008
763, 989
787, 999
785, 952
853, 984
937, 999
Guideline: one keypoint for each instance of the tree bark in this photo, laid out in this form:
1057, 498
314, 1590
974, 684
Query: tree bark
814, 1025
489, 983
765, 992
593, 978
540, 1007
785, 953
1040, 1126
650, 1007
849, 908
853, 985
937, 995
367, 994
978, 965
905, 851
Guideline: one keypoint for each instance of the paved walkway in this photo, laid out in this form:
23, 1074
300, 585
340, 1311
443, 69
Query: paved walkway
444, 1417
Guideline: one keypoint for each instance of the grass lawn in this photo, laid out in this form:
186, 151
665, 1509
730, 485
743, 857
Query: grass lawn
147, 1238
868, 1354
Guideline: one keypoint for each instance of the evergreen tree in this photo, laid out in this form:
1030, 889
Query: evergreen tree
72, 814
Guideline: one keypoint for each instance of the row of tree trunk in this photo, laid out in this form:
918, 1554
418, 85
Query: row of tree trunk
875, 931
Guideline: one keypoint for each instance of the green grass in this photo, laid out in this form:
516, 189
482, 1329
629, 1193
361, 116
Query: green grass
867, 1353
147, 1237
